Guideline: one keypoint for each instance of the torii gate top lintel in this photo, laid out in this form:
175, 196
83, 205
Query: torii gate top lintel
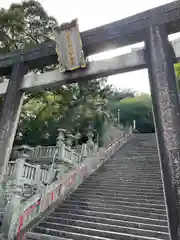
116, 34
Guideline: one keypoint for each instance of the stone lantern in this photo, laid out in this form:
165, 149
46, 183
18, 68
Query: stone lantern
77, 137
69, 139
60, 137
90, 136
23, 151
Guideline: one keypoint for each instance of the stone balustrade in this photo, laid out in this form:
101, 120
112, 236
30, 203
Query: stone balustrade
52, 172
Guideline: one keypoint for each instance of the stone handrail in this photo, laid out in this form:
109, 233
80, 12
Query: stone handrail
45, 152
11, 167
60, 188
71, 155
28, 173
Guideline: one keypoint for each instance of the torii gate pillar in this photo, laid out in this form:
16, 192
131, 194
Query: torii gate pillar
10, 114
166, 110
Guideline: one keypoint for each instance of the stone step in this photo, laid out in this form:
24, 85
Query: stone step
139, 176
130, 182
118, 216
105, 193
120, 206
129, 167
140, 200
84, 233
137, 153
127, 176
139, 157
127, 170
62, 235
119, 196
121, 186
111, 177
119, 202
144, 163
122, 200
132, 212
103, 227
122, 192
133, 224
40, 236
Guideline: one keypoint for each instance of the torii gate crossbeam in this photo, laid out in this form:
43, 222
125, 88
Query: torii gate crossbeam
116, 34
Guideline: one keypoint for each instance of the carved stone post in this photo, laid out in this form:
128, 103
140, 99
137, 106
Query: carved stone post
166, 110
60, 143
130, 130
60, 138
10, 115
77, 146
69, 140
90, 135
23, 150
14, 197
134, 124
77, 137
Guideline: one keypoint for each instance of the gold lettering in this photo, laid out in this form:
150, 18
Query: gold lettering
70, 47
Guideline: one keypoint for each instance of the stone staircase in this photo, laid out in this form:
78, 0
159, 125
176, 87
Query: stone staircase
123, 199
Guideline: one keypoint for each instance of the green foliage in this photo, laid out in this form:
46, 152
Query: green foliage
177, 71
23, 25
72, 107
137, 108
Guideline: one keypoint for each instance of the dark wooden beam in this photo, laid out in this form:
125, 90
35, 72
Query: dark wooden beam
117, 34
10, 114
166, 108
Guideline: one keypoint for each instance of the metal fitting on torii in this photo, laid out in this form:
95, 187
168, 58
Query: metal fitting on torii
69, 46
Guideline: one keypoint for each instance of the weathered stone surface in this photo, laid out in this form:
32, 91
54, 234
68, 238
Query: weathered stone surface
10, 115
166, 109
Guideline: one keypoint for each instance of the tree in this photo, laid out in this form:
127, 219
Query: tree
23, 25
72, 107
137, 108
177, 71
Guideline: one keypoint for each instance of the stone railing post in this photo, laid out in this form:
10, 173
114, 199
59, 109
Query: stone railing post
60, 137
14, 193
69, 140
77, 146
23, 150
77, 137
60, 143
84, 151
130, 130
38, 174
134, 125
90, 135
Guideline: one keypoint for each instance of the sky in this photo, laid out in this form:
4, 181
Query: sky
94, 13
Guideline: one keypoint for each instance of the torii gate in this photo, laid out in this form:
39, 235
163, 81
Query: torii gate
153, 27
